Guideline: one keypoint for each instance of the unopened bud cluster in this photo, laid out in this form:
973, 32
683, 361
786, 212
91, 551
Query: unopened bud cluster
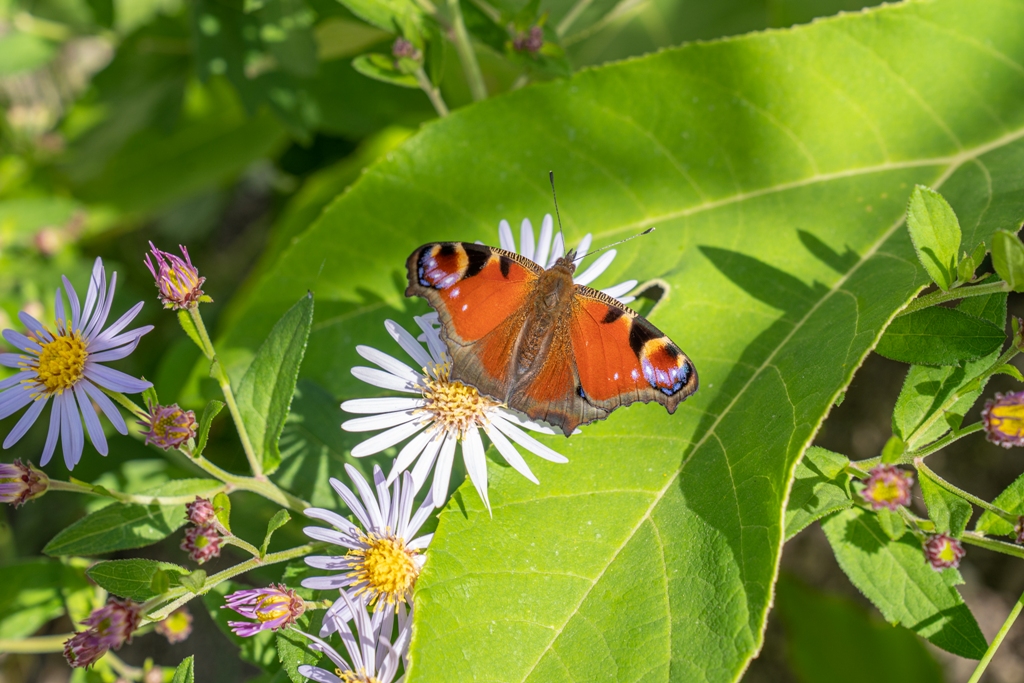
203, 539
109, 627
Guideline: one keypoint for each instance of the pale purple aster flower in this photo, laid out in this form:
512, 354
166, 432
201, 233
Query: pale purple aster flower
444, 413
375, 650
67, 366
270, 608
20, 483
548, 248
177, 279
168, 427
384, 557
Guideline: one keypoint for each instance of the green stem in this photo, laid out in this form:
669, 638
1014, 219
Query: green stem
980, 540
467, 56
244, 545
122, 668
32, 646
941, 297
432, 92
182, 595
70, 486
908, 457
997, 641
127, 403
229, 394
930, 474
263, 487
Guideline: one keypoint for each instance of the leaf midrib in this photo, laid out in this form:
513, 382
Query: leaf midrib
954, 162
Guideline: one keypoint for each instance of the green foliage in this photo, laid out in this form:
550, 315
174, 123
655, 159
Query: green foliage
135, 579
280, 518
935, 233
949, 512
891, 523
939, 336
895, 576
1008, 259
117, 527
265, 392
211, 411
799, 287
820, 487
185, 673
832, 640
36, 591
1011, 500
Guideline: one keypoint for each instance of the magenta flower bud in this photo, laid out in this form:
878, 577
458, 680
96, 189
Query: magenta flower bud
271, 608
178, 280
942, 551
20, 483
529, 41
1003, 417
202, 543
83, 649
201, 511
1018, 529
887, 487
115, 622
177, 626
168, 427
403, 49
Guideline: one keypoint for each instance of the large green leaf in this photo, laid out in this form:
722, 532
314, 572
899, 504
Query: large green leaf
776, 167
135, 579
940, 336
117, 527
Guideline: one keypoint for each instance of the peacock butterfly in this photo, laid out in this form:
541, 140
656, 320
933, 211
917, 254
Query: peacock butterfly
532, 338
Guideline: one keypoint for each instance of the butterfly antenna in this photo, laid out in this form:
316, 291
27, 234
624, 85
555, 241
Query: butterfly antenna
551, 177
648, 231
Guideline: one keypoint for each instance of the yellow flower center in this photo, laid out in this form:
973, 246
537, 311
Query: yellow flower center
353, 677
454, 406
61, 362
946, 553
885, 491
268, 601
1008, 419
387, 567
178, 622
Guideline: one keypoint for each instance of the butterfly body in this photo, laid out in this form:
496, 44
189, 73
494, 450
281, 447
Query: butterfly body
532, 338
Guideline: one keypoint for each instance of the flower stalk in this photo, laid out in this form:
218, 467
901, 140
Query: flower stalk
464, 48
941, 297
141, 499
997, 641
926, 471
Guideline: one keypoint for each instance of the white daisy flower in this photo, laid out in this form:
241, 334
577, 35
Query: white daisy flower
375, 651
544, 253
384, 557
444, 413
67, 365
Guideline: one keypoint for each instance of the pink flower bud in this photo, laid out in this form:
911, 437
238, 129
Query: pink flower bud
888, 487
177, 626
202, 543
201, 511
271, 608
1004, 419
177, 280
168, 427
942, 551
20, 483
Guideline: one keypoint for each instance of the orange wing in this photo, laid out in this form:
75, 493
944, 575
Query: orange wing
621, 358
479, 294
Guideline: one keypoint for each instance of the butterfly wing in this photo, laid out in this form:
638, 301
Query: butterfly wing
621, 358
480, 294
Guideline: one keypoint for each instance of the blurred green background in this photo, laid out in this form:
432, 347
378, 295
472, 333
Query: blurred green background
228, 125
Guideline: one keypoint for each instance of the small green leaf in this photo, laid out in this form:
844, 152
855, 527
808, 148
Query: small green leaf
185, 673
1011, 370
194, 581
965, 269
820, 486
189, 325
979, 254
117, 527
935, 233
939, 336
388, 15
135, 579
1011, 500
822, 630
222, 504
265, 392
382, 68
895, 576
280, 518
1008, 259
949, 512
892, 451
149, 396
891, 523
205, 422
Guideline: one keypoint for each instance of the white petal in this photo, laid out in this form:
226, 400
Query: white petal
332, 518
557, 250
527, 441
408, 454
315, 673
420, 543
426, 460
52, 433
526, 245
443, 470
544, 241
476, 463
389, 363
389, 438
583, 248
509, 452
382, 421
596, 268
624, 300
425, 511
373, 406
515, 417
383, 498
618, 290
384, 380
505, 238
408, 343
26, 422
352, 501
432, 336
320, 533
369, 499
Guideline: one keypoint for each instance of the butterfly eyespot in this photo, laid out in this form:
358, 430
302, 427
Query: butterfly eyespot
579, 392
